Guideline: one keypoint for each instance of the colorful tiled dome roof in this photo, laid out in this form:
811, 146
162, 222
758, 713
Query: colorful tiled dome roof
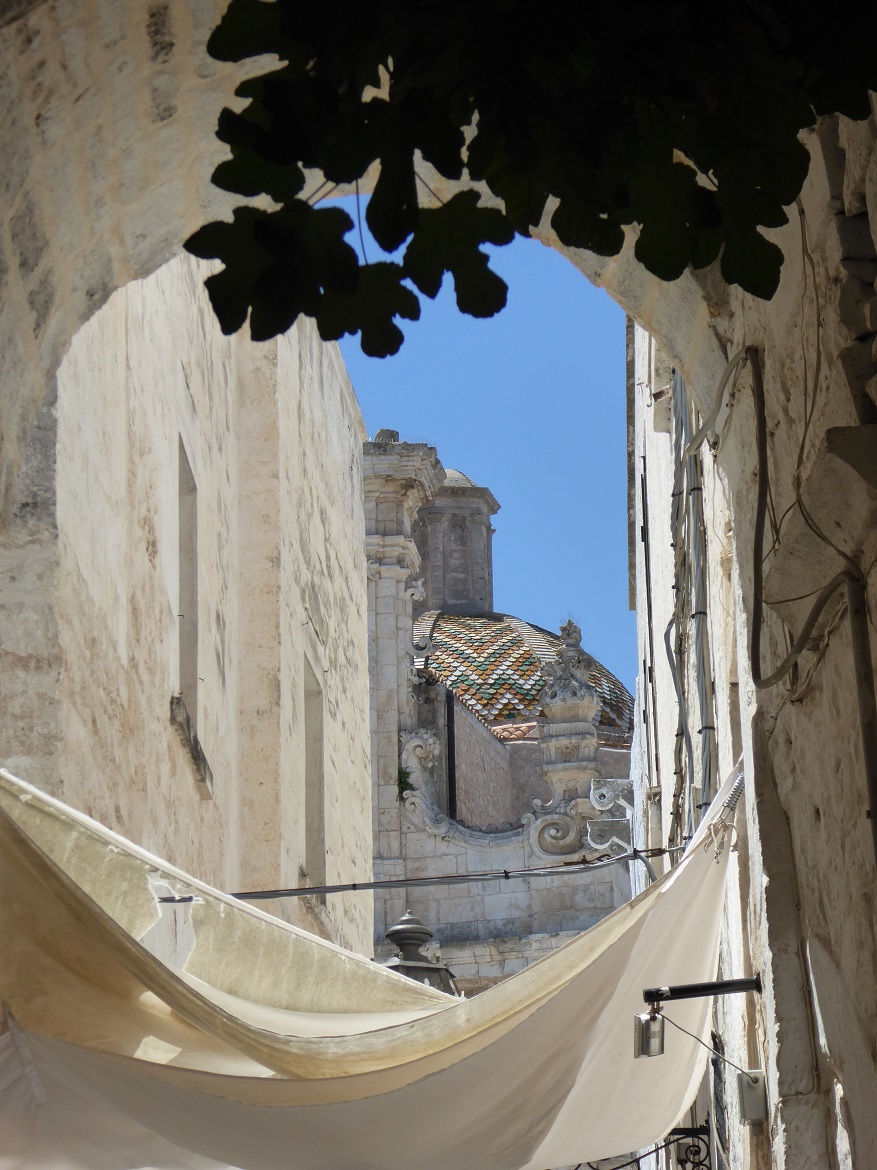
492, 663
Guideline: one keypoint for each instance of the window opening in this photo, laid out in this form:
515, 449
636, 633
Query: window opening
315, 827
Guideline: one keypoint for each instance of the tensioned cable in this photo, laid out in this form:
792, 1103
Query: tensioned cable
714, 1051
440, 879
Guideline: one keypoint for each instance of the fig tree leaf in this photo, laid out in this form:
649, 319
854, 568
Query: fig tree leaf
392, 211
753, 262
231, 290
370, 309
248, 28
246, 173
449, 239
579, 224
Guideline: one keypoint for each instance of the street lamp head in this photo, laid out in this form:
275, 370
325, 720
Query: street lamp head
409, 935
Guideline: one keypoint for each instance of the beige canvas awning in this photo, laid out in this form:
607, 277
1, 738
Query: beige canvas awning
273, 1048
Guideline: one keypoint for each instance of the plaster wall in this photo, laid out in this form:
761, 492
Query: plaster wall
273, 436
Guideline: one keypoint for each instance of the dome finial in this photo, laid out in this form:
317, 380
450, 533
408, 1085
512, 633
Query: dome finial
571, 634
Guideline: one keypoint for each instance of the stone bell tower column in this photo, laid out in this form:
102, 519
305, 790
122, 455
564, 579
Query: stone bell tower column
398, 478
453, 536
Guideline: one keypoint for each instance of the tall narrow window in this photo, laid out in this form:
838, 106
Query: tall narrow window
315, 829
184, 704
187, 617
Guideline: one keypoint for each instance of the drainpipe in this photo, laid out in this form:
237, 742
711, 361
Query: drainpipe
858, 615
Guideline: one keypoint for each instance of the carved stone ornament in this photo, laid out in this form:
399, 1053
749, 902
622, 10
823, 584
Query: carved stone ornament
373, 570
419, 751
428, 816
571, 634
412, 672
611, 835
567, 685
556, 834
568, 831
606, 794
568, 693
424, 648
416, 592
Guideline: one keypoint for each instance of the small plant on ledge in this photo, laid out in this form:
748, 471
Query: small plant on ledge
403, 779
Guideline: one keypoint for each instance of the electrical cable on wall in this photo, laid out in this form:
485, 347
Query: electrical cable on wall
690, 600
852, 578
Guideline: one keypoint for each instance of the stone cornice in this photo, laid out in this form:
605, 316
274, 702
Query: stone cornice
412, 472
391, 556
463, 495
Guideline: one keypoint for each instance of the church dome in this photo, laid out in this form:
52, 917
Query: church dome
493, 665
454, 478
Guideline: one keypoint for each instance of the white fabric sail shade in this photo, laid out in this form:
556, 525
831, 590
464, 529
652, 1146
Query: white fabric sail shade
274, 1049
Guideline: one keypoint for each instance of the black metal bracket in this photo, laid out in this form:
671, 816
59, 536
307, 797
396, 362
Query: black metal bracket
701, 990
692, 1145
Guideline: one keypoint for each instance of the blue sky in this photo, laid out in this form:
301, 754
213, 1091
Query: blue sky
529, 403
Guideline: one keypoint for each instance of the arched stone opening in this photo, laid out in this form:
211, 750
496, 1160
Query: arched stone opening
107, 116
107, 112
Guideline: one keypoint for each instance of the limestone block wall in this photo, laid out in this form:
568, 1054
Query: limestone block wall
30, 653
525, 765
485, 793
273, 436
107, 111
433, 845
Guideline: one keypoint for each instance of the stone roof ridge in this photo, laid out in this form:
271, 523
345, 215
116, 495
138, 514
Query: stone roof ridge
544, 644
421, 636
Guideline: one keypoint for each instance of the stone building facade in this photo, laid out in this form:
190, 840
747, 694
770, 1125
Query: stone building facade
800, 908
511, 743
184, 601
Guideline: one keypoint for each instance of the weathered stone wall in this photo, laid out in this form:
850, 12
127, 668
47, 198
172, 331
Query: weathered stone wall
498, 909
485, 793
800, 907
525, 765
107, 112
30, 655
273, 435
454, 538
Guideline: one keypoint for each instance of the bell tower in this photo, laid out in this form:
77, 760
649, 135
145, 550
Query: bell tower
453, 535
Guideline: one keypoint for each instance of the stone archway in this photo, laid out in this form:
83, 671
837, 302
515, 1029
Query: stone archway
107, 113
107, 135
107, 109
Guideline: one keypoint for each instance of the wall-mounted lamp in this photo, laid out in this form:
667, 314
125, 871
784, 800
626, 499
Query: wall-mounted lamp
648, 1032
648, 1027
